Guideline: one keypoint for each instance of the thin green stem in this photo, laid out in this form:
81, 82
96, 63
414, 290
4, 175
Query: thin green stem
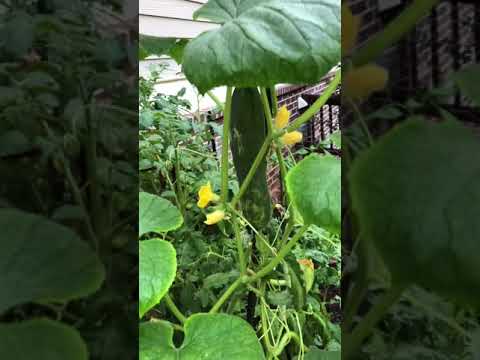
316, 106
226, 295
376, 313
241, 254
284, 251
266, 110
216, 100
393, 32
79, 199
273, 92
225, 144
288, 230
251, 173
283, 173
174, 309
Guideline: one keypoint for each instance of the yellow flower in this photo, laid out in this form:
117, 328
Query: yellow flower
359, 83
205, 195
215, 217
292, 138
350, 28
281, 120
308, 263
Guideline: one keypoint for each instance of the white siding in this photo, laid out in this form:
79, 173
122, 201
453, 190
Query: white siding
171, 18
174, 19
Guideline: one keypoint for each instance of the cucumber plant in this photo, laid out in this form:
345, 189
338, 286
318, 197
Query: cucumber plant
258, 45
410, 211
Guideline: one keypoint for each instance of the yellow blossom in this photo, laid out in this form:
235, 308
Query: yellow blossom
292, 138
206, 195
281, 120
307, 263
359, 83
350, 28
215, 217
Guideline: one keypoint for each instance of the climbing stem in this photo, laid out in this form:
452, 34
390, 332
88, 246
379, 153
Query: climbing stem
226, 295
316, 106
238, 237
174, 309
280, 256
377, 312
225, 144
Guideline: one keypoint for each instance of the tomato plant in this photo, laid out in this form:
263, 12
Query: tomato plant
258, 45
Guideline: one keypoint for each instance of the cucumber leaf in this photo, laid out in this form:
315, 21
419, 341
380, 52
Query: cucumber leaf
157, 215
415, 194
150, 45
43, 261
264, 42
314, 187
41, 339
207, 336
158, 265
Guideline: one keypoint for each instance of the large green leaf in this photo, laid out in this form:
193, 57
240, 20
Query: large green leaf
415, 194
207, 336
314, 187
161, 46
41, 339
43, 261
157, 215
468, 80
158, 265
264, 42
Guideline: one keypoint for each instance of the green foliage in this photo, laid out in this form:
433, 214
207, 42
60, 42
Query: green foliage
68, 130
414, 186
317, 198
467, 80
248, 132
33, 250
244, 265
213, 337
157, 271
157, 215
281, 41
41, 339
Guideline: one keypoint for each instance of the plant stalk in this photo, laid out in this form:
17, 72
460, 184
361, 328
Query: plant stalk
393, 32
174, 309
226, 295
376, 313
284, 251
238, 237
226, 144
316, 106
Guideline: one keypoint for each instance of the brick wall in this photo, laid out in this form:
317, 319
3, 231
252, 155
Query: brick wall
442, 42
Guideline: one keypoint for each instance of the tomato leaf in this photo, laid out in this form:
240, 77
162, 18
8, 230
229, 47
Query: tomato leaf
314, 187
43, 261
264, 42
158, 266
207, 336
415, 194
157, 215
41, 339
